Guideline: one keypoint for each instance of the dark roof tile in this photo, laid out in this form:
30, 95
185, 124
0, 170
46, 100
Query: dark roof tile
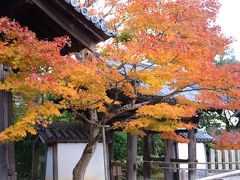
62, 133
99, 22
201, 136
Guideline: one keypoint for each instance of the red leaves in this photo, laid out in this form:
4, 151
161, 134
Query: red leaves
228, 141
168, 43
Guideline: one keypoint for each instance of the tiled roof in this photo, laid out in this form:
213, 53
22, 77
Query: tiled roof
63, 133
99, 22
59, 132
201, 136
189, 94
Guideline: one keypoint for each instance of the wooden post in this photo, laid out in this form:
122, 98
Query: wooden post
238, 158
192, 154
232, 158
110, 154
219, 159
146, 156
35, 157
226, 159
7, 155
168, 155
105, 155
132, 157
212, 159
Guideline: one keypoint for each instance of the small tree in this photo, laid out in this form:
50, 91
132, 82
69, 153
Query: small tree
218, 120
161, 44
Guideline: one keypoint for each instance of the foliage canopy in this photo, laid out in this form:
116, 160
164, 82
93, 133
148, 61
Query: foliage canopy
160, 44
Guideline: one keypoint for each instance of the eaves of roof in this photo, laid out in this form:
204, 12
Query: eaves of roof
201, 136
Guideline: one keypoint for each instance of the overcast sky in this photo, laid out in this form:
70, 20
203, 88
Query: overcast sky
228, 19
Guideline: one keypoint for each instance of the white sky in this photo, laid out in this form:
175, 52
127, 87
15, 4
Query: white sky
228, 19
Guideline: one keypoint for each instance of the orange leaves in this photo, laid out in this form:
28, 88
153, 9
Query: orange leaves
166, 111
161, 43
179, 37
162, 118
128, 90
173, 136
21, 50
40, 114
40, 70
228, 140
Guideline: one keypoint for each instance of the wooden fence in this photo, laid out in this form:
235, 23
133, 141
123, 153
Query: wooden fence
220, 161
224, 160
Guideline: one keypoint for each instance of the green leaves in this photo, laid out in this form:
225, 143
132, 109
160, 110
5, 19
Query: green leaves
125, 36
65, 117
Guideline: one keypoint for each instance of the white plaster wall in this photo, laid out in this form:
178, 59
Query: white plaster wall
183, 153
70, 153
201, 154
201, 157
49, 164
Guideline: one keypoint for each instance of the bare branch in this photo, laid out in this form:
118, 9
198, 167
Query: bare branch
84, 118
105, 15
88, 3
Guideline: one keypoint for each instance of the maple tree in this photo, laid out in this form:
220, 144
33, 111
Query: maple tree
161, 45
227, 140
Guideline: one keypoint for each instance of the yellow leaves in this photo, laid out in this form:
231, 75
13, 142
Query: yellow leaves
162, 118
166, 111
165, 127
133, 127
128, 90
102, 109
182, 100
47, 109
173, 136
176, 36
40, 114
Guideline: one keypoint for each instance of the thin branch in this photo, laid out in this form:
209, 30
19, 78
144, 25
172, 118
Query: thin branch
121, 22
81, 116
132, 107
93, 103
121, 65
84, 118
105, 15
125, 120
148, 67
126, 108
114, 100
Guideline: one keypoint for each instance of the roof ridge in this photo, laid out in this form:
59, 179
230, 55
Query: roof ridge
99, 22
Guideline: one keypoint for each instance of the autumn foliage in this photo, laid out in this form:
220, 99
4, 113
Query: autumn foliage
228, 141
160, 44
39, 70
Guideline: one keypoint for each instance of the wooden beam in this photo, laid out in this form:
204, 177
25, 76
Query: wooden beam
8, 7
147, 149
132, 157
35, 159
55, 162
192, 155
7, 155
110, 154
68, 25
82, 20
168, 155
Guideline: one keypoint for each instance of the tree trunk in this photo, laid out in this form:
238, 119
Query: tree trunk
80, 168
7, 155
192, 154
147, 149
132, 157
168, 155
